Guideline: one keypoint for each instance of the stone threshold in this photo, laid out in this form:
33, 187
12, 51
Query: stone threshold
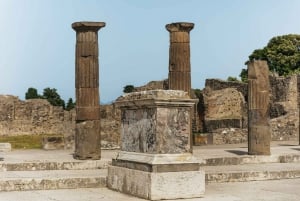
43, 166
52, 180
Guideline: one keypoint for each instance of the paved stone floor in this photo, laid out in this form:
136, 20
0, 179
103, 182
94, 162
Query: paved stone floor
275, 190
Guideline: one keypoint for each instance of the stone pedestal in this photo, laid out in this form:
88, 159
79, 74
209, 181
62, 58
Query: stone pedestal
156, 161
87, 130
259, 133
179, 56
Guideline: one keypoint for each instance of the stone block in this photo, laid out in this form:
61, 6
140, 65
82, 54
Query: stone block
53, 142
156, 185
5, 147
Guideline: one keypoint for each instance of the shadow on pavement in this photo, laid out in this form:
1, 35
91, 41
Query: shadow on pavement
237, 152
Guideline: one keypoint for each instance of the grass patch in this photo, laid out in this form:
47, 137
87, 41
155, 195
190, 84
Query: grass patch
25, 141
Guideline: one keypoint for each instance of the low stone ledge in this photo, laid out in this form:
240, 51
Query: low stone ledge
4, 147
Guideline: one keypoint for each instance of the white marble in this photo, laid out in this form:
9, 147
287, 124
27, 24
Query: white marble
157, 186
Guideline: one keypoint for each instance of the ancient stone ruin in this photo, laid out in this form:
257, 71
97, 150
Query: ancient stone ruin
87, 131
179, 59
155, 161
35, 117
221, 113
259, 136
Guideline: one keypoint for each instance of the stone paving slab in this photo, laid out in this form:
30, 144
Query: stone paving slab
200, 152
39, 155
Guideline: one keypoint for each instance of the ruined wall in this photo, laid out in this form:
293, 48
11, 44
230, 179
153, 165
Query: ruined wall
110, 126
163, 84
223, 109
222, 112
284, 108
35, 116
217, 84
232, 129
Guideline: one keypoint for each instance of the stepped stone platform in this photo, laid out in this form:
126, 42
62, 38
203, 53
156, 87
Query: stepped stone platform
26, 170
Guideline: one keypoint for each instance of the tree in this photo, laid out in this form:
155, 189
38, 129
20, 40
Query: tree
53, 97
128, 89
244, 75
32, 93
232, 79
282, 54
197, 92
70, 104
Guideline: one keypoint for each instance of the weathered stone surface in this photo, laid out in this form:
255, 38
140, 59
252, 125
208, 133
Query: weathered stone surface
157, 186
153, 85
156, 121
53, 142
28, 184
179, 61
230, 135
259, 135
223, 109
156, 161
87, 132
87, 140
5, 147
35, 117
40, 165
283, 107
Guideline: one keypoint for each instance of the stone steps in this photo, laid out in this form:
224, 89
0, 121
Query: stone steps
251, 172
53, 165
71, 174
51, 180
248, 159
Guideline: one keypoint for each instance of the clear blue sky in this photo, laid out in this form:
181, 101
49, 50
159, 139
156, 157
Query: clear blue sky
37, 43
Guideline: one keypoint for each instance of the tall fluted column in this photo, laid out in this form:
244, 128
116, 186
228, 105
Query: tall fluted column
179, 56
259, 133
87, 130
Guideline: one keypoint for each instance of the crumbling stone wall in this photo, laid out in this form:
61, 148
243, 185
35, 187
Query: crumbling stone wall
35, 116
217, 84
163, 84
110, 126
222, 112
283, 110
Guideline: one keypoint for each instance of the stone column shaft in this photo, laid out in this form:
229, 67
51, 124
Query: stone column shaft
87, 131
179, 56
259, 133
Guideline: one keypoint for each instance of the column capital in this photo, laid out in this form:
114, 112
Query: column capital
87, 26
180, 27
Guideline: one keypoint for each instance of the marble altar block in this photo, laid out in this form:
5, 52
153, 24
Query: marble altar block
156, 161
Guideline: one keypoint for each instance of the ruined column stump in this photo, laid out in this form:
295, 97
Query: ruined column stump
179, 56
156, 161
87, 129
259, 133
